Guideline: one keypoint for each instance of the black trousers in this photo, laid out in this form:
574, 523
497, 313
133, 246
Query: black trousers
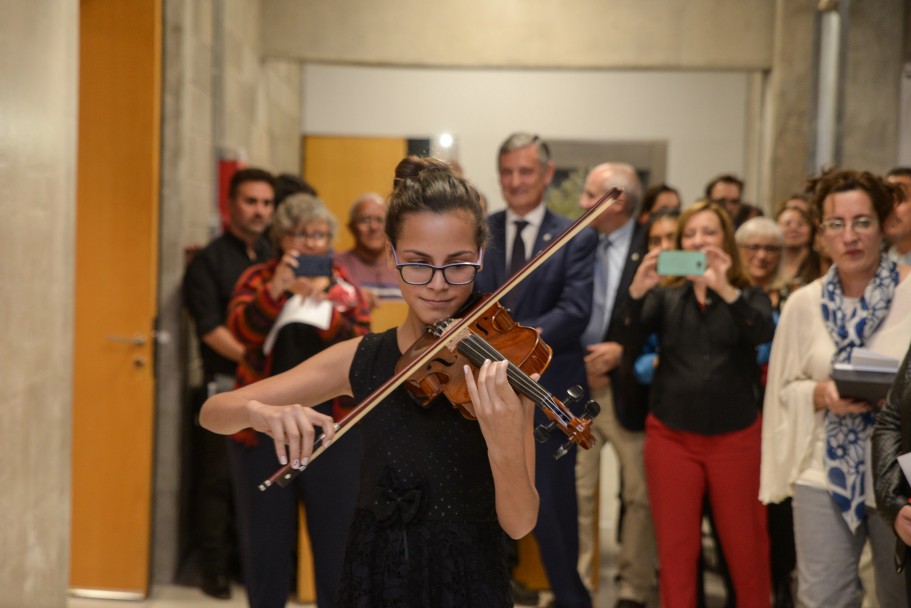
557, 530
267, 521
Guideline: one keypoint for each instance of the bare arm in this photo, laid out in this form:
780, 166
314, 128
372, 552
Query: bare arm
507, 424
223, 342
281, 406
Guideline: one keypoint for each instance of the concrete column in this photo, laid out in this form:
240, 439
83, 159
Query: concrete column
38, 66
872, 79
789, 99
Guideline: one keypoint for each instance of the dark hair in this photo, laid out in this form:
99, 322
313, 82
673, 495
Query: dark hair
832, 181
250, 174
727, 178
800, 196
429, 185
287, 184
810, 268
651, 195
665, 213
899, 172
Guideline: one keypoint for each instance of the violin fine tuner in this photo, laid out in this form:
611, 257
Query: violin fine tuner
589, 411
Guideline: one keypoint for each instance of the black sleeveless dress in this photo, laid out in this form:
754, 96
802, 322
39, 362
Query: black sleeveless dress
425, 532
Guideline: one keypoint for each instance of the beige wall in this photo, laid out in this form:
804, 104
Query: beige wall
38, 50
700, 116
660, 34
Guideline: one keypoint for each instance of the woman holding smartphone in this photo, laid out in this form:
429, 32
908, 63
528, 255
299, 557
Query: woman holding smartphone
435, 490
702, 435
264, 315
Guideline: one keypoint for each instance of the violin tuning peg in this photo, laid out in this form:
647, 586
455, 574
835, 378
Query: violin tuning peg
542, 432
591, 409
563, 450
573, 394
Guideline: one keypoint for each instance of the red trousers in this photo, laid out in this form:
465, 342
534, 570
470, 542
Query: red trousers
682, 468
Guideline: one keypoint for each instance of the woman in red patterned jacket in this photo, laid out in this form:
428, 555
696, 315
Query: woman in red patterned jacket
284, 312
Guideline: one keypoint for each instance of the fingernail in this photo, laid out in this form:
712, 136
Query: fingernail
326, 442
283, 460
297, 464
466, 369
304, 462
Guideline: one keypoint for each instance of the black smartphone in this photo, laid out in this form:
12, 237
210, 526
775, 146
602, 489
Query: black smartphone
313, 266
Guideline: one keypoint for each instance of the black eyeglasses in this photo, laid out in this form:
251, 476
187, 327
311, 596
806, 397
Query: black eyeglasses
756, 248
419, 273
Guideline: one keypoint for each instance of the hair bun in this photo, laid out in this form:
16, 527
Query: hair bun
412, 167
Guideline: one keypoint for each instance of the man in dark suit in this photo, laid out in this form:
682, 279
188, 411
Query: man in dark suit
622, 243
556, 299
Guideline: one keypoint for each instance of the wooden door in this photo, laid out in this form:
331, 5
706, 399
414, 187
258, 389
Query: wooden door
115, 306
343, 168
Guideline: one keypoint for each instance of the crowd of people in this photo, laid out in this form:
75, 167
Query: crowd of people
714, 383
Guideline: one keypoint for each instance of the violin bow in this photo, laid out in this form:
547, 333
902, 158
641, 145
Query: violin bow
284, 475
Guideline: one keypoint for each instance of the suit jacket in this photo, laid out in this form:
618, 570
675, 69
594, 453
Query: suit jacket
556, 297
630, 397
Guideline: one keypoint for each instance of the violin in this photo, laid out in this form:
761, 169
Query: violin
496, 336
432, 366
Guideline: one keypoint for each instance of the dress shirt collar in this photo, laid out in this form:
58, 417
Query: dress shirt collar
534, 218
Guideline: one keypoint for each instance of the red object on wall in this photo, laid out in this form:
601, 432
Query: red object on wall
226, 170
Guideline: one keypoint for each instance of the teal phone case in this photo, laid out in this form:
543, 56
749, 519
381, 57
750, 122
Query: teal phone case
681, 263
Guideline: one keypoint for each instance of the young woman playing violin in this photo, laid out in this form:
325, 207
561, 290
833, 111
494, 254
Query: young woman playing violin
435, 488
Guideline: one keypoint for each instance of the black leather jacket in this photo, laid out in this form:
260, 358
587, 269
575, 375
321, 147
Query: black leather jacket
892, 438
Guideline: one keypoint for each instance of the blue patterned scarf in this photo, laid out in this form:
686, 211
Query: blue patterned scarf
847, 435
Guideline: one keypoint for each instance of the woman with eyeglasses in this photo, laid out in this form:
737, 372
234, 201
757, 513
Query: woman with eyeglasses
761, 242
815, 440
436, 491
284, 312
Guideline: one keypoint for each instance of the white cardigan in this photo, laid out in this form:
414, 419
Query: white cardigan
792, 431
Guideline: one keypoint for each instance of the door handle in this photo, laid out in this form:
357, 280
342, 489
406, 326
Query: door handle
137, 340
160, 337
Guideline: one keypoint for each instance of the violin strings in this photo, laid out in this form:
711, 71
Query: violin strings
513, 371
478, 349
485, 350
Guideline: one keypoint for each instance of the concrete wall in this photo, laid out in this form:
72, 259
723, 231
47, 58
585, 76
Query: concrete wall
38, 51
772, 43
221, 99
662, 34
872, 80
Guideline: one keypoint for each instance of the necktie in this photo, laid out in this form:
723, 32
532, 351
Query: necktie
517, 259
594, 333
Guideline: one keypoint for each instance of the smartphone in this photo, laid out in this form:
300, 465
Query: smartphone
313, 266
681, 263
